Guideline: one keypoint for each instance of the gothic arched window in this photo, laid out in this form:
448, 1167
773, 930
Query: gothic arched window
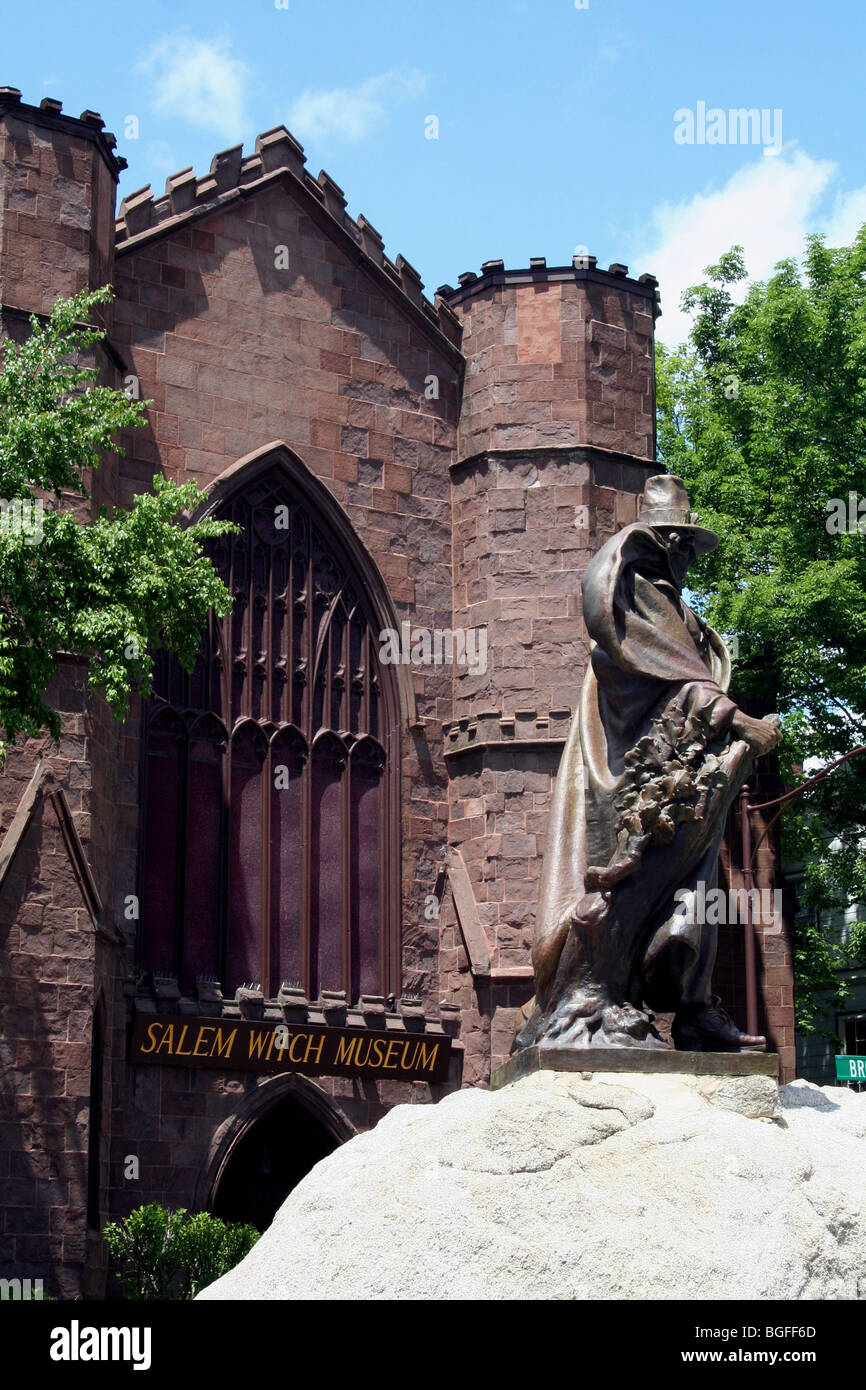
269, 849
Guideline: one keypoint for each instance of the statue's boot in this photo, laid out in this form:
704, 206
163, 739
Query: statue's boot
710, 1028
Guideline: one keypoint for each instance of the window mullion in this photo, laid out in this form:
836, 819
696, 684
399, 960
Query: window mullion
180, 858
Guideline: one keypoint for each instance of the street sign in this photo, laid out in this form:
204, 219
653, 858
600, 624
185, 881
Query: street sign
851, 1068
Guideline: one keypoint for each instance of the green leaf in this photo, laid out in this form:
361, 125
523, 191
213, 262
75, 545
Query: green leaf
762, 464
110, 588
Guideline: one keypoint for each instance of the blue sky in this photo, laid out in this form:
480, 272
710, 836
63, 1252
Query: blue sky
556, 125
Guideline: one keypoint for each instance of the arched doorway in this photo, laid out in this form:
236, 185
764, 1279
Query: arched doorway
282, 1131
268, 1161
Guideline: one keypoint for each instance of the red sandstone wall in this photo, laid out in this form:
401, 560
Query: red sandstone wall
773, 951
559, 376
234, 354
57, 185
568, 361
503, 749
45, 1076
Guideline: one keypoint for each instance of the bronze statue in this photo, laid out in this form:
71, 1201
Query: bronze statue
656, 754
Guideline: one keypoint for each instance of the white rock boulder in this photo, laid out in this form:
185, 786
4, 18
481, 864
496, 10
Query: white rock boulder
627, 1186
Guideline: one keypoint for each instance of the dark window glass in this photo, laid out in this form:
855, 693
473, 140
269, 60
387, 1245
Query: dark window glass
365, 840
202, 858
163, 771
268, 796
855, 1043
94, 1137
248, 749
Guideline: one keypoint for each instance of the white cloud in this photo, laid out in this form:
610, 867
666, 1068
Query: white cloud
197, 80
849, 214
160, 156
353, 113
768, 207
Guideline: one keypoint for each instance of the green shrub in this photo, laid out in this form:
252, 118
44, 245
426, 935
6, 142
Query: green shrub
145, 1245
209, 1248
172, 1254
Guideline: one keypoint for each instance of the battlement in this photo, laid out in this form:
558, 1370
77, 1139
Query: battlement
277, 156
493, 273
49, 113
558, 356
58, 183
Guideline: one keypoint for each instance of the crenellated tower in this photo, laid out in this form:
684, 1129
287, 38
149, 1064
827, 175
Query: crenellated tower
556, 440
58, 180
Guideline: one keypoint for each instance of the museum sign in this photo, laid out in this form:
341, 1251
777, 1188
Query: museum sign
311, 1049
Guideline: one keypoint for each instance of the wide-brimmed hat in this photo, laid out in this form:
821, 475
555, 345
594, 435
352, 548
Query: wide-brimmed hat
664, 504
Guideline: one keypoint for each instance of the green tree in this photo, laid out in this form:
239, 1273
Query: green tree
113, 587
763, 413
174, 1254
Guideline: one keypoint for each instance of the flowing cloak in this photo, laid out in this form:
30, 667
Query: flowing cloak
651, 654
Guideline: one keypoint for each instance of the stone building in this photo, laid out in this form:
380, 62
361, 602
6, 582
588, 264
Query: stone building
303, 832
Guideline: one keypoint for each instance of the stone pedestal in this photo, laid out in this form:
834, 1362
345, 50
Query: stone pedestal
628, 1186
634, 1059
